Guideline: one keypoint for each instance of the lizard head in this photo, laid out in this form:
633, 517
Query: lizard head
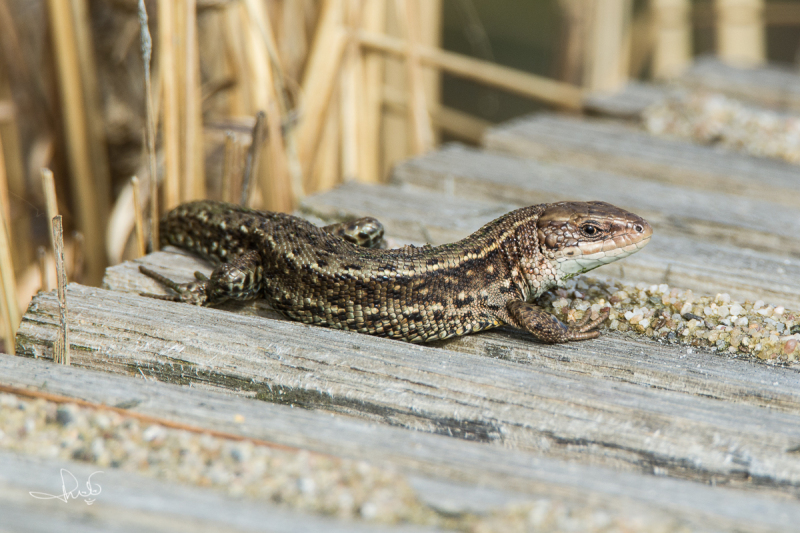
575, 237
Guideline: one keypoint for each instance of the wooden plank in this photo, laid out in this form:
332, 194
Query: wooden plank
415, 216
627, 103
478, 476
771, 86
130, 502
699, 235
472, 397
665, 367
498, 177
616, 147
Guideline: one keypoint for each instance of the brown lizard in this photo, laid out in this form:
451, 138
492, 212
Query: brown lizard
491, 278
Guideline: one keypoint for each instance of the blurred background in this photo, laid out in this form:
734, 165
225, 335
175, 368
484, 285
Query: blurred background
347, 88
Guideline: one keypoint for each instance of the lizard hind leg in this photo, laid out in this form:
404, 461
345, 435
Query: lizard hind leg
366, 232
195, 293
240, 279
547, 328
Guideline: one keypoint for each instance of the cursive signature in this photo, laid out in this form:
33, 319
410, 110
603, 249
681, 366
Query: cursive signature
69, 480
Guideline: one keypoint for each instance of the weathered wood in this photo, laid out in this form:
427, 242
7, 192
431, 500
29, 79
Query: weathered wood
472, 174
615, 358
417, 216
130, 502
478, 477
626, 103
425, 388
772, 86
616, 147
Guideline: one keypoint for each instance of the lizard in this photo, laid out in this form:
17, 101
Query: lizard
334, 276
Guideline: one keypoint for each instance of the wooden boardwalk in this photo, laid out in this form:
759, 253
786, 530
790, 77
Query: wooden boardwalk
655, 437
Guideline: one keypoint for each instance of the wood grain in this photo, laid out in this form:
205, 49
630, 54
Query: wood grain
615, 358
564, 416
479, 477
769, 85
626, 150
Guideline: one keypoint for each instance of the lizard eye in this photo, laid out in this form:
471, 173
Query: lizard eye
590, 230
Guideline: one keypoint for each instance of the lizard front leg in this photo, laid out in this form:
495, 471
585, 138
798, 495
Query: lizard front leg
366, 232
547, 328
240, 279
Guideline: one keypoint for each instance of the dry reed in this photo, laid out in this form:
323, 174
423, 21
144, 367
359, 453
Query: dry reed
50, 202
90, 203
563, 95
280, 179
407, 13
253, 160
278, 189
8, 287
61, 348
193, 184
458, 124
351, 96
373, 20
44, 275
4, 203
95, 129
78, 256
138, 218
167, 67
322, 70
150, 128
231, 170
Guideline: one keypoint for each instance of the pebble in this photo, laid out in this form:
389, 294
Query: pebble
65, 414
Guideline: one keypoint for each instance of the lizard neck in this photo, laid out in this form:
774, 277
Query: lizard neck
528, 269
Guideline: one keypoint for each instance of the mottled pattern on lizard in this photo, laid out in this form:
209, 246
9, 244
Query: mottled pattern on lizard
421, 294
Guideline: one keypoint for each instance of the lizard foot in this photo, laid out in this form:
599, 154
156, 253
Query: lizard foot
366, 232
587, 328
195, 292
547, 328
